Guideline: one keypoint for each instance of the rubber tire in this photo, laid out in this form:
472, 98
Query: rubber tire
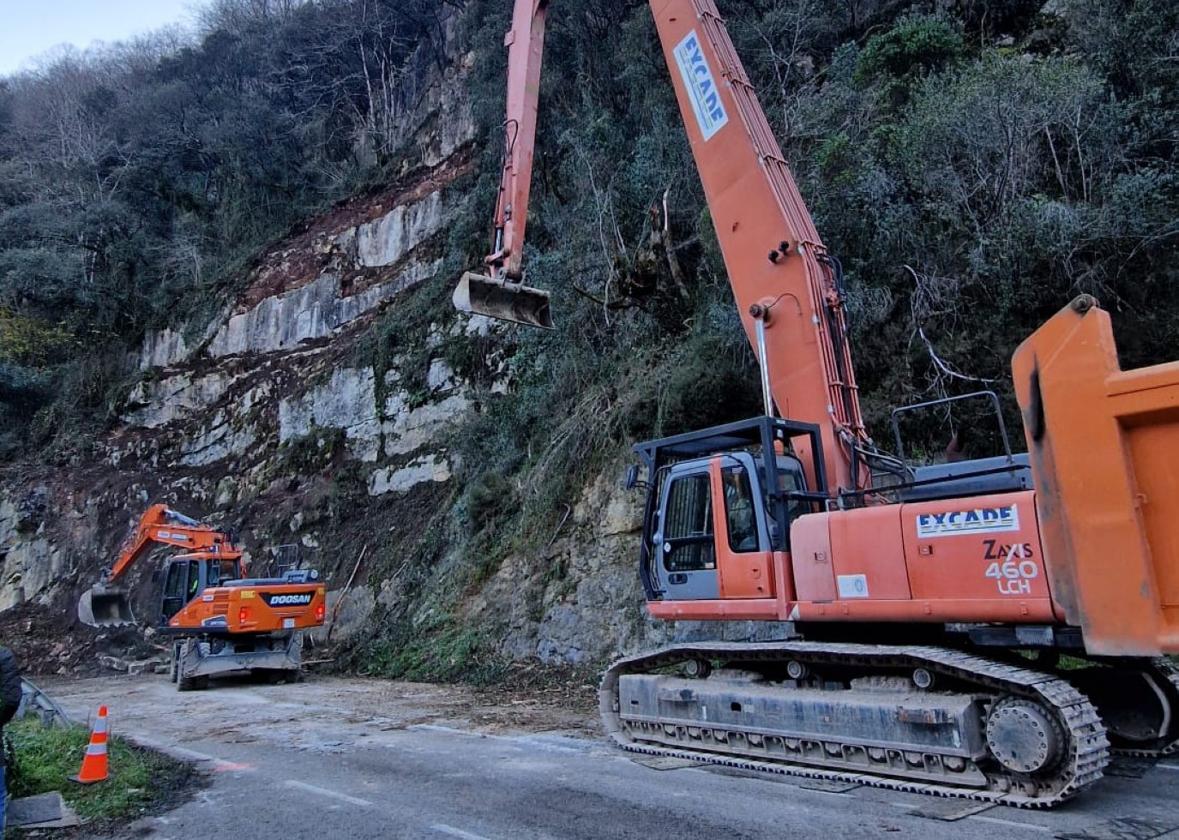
192, 683
175, 670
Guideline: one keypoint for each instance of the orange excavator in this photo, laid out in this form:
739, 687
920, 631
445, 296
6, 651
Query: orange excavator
989, 628
220, 620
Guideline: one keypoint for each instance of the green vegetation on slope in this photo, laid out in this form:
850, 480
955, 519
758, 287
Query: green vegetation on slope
975, 166
137, 181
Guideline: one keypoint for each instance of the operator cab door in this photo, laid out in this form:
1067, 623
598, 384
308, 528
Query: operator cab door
683, 544
711, 539
175, 589
185, 581
744, 554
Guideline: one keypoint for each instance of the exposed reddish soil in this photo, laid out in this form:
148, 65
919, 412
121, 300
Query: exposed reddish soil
296, 261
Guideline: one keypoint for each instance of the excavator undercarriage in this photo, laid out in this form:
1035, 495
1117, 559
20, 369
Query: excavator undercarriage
918, 718
195, 659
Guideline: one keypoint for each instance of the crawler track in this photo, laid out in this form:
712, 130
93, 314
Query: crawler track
1085, 756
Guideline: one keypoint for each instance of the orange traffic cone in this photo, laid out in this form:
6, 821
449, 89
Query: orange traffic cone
94, 764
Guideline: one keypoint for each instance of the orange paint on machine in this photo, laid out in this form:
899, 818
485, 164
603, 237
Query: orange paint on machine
220, 620
919, 612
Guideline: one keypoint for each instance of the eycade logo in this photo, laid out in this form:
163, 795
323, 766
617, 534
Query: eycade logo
977, 521
701, 86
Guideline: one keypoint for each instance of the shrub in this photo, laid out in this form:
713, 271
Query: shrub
915, 46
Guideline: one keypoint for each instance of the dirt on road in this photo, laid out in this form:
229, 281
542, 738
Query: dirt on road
324, 713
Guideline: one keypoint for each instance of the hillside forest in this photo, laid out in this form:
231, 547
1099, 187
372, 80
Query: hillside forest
975, 165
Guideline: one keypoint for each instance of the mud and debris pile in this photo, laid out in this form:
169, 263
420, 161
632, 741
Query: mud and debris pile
45, 644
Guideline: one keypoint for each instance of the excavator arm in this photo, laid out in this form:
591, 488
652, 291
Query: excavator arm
107, 604
786, 285
525, 43
501, 292
160, 525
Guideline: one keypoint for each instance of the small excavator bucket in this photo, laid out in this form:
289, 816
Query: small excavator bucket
479, 294
100, 606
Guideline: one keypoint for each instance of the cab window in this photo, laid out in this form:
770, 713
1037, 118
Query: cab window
791, 479
194, 580
221, 571
174, 585
688, 526
739, 512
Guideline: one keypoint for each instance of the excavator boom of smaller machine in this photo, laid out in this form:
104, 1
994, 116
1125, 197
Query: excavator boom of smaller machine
107, 604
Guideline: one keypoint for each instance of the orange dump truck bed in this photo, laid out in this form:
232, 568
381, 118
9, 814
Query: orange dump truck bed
1104, 447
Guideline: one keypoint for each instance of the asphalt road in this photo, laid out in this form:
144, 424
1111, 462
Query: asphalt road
368, 759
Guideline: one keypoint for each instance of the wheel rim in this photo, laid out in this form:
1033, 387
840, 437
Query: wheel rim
1023, 736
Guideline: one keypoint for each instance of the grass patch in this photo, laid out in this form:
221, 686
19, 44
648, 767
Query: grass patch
445, 653
140, 779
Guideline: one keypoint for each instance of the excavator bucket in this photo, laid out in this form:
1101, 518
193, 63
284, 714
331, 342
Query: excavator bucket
479, 294
102, 606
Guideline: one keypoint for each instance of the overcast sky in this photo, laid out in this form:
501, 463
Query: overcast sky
28, 28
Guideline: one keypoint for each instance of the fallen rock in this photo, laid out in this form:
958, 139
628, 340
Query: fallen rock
46, 810
133, 667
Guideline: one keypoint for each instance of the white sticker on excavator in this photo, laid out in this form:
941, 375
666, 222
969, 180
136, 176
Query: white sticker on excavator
701, 86
978, 521
852, 586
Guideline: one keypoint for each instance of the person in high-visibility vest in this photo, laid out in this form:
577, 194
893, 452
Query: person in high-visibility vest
10, 694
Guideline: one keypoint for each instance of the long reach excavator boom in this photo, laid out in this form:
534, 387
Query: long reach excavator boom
922, 610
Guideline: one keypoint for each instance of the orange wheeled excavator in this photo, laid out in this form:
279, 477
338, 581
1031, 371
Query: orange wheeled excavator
221, 621
987, 628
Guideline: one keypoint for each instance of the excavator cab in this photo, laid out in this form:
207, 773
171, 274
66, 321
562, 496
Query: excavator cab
720, 503
189, 575
709, 510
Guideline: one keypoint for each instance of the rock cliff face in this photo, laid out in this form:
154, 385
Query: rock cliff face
270, 419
